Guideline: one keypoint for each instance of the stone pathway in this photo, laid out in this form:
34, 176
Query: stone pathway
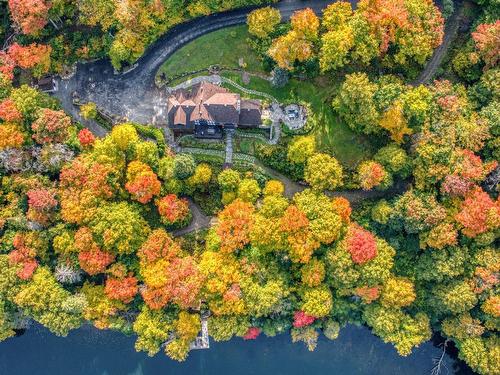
229, 149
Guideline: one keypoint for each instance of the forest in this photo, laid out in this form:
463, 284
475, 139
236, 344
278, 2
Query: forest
89, 225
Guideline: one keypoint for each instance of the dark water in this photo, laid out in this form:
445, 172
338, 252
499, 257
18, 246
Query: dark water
88, 351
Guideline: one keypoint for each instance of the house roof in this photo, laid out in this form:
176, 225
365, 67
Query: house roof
206, 101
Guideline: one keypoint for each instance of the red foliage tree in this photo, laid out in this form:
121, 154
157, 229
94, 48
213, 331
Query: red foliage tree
86, 137
30, 15
252, 333
24, 256
51, 126
471, 166
361, 244
456, 186
301, 319
235, 224
479, 213
487, 41
41, 204
172, 209
122, 289
9, 111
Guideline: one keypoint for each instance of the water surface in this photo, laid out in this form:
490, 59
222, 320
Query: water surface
88, 351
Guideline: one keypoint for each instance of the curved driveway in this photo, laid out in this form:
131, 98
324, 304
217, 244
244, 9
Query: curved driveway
133, 95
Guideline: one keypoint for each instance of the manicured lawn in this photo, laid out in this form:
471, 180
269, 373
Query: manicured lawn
332, 135
226, 46
223, 47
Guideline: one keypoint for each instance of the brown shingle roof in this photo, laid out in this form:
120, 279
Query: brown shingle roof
206, 101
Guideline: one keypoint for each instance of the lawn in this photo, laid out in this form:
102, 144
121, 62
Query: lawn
223, 47
226, 46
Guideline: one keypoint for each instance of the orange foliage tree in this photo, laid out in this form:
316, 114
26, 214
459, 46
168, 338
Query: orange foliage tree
9, 111
91, 258
142, 182
479, 213
23, 255
123, 289
30, 15
371, 174
173, 210
33, 56
235, 223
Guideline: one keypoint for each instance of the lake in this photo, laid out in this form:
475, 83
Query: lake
88, 351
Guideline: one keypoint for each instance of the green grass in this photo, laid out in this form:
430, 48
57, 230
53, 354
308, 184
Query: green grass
224, 47
332, 135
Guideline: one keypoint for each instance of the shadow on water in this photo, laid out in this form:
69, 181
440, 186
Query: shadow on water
88, 351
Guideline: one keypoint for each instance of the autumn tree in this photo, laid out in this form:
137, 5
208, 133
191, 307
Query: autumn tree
235, 223
487, 42
142, 182
34, 56
173, 210
478, 214
262, 22
395, 123
323, 172
51, 126
30, 16
371, 174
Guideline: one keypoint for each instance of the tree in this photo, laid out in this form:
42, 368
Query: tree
335, 48
301, 149
234, 226
317, 302
301, 319
402, 330
313, 273
124, 136
289, 48
142, 182
371, 174
51, 126
478, 214
34, 56
273, 188
249, 190
173, 211
184, 166
88, 110
361, 244
86, 138
398, 292
306, 23
337, 15
262, 22
394, 159
122, 289
31, 16
152, 328
395, 123
279, 77
229, 179
201, 177
355, 103
46, 301
454, 297
10, 136
93, 12
90, 257
488, 43
481, 354
323, 172
41, 205
9, 112
119, 228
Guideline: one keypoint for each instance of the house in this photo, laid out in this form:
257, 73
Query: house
206, 110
